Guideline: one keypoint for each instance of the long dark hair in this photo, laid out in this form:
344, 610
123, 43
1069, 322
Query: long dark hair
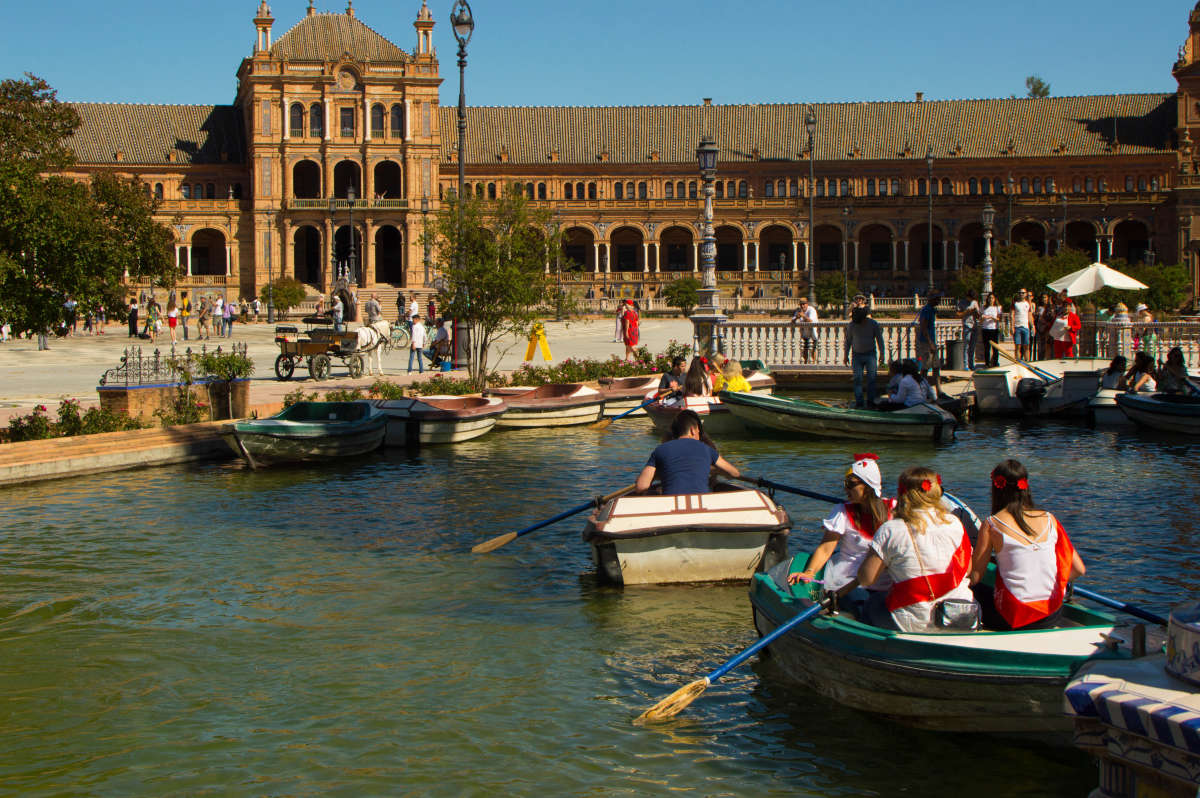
873, 509
1118, 365
696, 380
1008, 477
1143, 362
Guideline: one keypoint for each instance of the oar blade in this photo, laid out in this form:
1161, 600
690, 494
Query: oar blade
675, 703
603, 423
494, 543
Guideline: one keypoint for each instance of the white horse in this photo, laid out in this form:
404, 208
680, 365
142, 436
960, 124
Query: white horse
370, 341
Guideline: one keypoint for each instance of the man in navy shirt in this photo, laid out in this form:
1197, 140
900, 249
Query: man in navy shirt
683, 463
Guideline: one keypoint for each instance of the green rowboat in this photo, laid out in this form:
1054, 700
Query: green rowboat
308, 431
995, 682
775, 414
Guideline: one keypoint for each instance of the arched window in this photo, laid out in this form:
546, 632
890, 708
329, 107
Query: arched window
973, 186
692, 189
185, 191
397, 128
629, 189
1090, 185
491, 191
210, 191
781, 189
643, 191
316, 120
947, 186
845, 188
296, 120
669, 190
833, 187
719, 189
883, 187
933, 186
568, 191
1024, 185
1141, 183
158, 191
1129, 182
591, 191
895, 187
479, 190
1048, 186
985, 186
1075, 187
1037, 185
769, 189
619, 190
920, 187
197, 191
794, 188
730, 190
541, 191
579, 191
680, 191
743, 190
820, 188
870, 187
377, 120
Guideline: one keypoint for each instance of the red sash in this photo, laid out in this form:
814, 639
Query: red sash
1018, 613
929, 587
859, 521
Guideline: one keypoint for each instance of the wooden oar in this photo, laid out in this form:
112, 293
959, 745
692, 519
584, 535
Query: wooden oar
1045, 375
604, 422
1133, 610
762, 482
509, 537
677, 701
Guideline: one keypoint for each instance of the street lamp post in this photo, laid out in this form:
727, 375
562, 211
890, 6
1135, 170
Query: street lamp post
708, 315
847, 212
989, 219
929, 191
464, 26
351, 264
1012, 190
810, 123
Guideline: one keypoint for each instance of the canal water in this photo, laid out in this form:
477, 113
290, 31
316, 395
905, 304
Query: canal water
212, 630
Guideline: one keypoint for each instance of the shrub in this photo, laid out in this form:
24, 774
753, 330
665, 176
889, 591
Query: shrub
297, 396
683, 293
286, 293
34, 427
37, 425
343, 395
383, 389
440, 384
186, 408
225, 366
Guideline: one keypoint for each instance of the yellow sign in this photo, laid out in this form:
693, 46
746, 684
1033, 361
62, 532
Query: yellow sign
537, 339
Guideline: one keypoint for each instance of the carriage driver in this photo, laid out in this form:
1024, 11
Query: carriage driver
683, 463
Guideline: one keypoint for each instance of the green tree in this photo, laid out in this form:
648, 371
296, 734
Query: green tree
828, 290
62, 237
1036, 87
495, 254
286, 293
683, 293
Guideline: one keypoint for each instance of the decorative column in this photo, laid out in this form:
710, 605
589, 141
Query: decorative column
945, 253
895, 258
228, 260
795, 255
906, 243
695, 257
707, 318
286, 268
287, 120
189, 261
366, 133
368, 253
645, 257
854, 245
745, 256
957, 259
596, 261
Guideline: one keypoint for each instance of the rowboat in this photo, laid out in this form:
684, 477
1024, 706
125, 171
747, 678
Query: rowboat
1014, 389
555, 405
776, 414
1103, 410
714, 414
429, 420
1162, 411
996, 682
759, 377
709, 537
626, 393
308, 431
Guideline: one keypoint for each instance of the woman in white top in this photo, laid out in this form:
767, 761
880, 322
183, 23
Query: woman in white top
924, 550
1034, 557
909, 391
989, 327
849, 531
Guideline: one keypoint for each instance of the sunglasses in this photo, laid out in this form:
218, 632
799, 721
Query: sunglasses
851, 482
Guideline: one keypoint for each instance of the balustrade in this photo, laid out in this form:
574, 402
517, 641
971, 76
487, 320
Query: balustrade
781, 343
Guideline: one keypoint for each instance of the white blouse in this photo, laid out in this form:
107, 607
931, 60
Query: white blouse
937, 544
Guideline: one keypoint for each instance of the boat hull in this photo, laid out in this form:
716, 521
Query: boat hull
1178, 415
1103, 410
808, 419
996, 388
435, 420
265, 449
716, 417
552, 416
555, 405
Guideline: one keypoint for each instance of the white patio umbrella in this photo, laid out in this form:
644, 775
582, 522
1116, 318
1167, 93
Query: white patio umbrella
1093, 278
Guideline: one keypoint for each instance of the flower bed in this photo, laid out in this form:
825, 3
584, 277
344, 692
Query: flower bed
71, 421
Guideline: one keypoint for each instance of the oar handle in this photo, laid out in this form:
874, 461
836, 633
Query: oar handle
771, 637
1135, 611
762, 482
646, 403
1045, 375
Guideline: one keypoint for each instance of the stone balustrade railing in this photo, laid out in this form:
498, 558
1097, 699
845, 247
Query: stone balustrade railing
1110, 339
781, 343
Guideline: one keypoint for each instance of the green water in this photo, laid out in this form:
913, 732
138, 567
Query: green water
209, 630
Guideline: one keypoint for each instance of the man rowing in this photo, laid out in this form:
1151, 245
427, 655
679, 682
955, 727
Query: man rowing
683, 463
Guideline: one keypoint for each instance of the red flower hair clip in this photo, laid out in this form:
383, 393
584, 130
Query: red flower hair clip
1023, 484
998, 481
704, 360
926, 485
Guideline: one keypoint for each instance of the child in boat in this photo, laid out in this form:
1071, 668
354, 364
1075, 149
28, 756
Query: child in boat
925, 552
1034, 557
735, 382
849, 531
682, 464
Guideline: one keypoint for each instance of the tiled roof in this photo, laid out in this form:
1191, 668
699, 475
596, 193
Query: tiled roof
198, 134
870, 130
325, 37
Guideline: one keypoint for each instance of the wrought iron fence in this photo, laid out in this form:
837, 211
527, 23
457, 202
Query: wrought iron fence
137, 368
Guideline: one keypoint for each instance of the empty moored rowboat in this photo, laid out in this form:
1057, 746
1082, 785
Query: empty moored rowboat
439, 419
776, 414
1162, 411
997, 390
308, 431
996, 682
555, 405
708, 537
713, 413
626, 393
1103, 410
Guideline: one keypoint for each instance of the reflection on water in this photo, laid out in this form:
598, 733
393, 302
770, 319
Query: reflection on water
209, 629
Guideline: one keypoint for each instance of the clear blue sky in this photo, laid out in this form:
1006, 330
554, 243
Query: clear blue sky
629, 52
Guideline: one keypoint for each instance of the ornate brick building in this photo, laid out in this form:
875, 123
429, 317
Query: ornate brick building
332, 109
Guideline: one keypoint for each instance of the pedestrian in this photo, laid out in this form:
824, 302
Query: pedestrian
431, 308
989, 326
232, 308
153, 320
218, 315
806, 317
102, 318
5, 329
71, 314
1022, 325
1064, 331
339, 312
1044, 319
864, 343
202, 319
133, 317
257, 308
927, 346
185, 312
172, 318
630, 328
401, 308
414, 309
968, 311
416, 345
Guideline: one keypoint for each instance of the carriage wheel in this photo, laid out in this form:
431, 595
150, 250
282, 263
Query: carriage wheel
319, 367
285, 366
356, 365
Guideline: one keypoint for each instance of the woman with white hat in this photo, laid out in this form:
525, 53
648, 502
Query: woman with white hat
849, 531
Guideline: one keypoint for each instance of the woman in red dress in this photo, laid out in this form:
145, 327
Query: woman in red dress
629, 328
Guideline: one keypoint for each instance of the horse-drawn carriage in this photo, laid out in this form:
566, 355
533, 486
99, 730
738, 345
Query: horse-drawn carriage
320, 344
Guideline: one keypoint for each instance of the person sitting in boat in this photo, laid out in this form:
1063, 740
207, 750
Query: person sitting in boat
734, 379
1141, 377
1034, 557
672, 381
894, 377
1173, 376
1114, 377
715, 365
909, 392
848, 534
683, 463
697, 383
926, 553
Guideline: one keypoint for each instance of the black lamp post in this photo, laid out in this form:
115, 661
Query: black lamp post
464, 26
351, 271
929, 191
810, 123
989, 220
